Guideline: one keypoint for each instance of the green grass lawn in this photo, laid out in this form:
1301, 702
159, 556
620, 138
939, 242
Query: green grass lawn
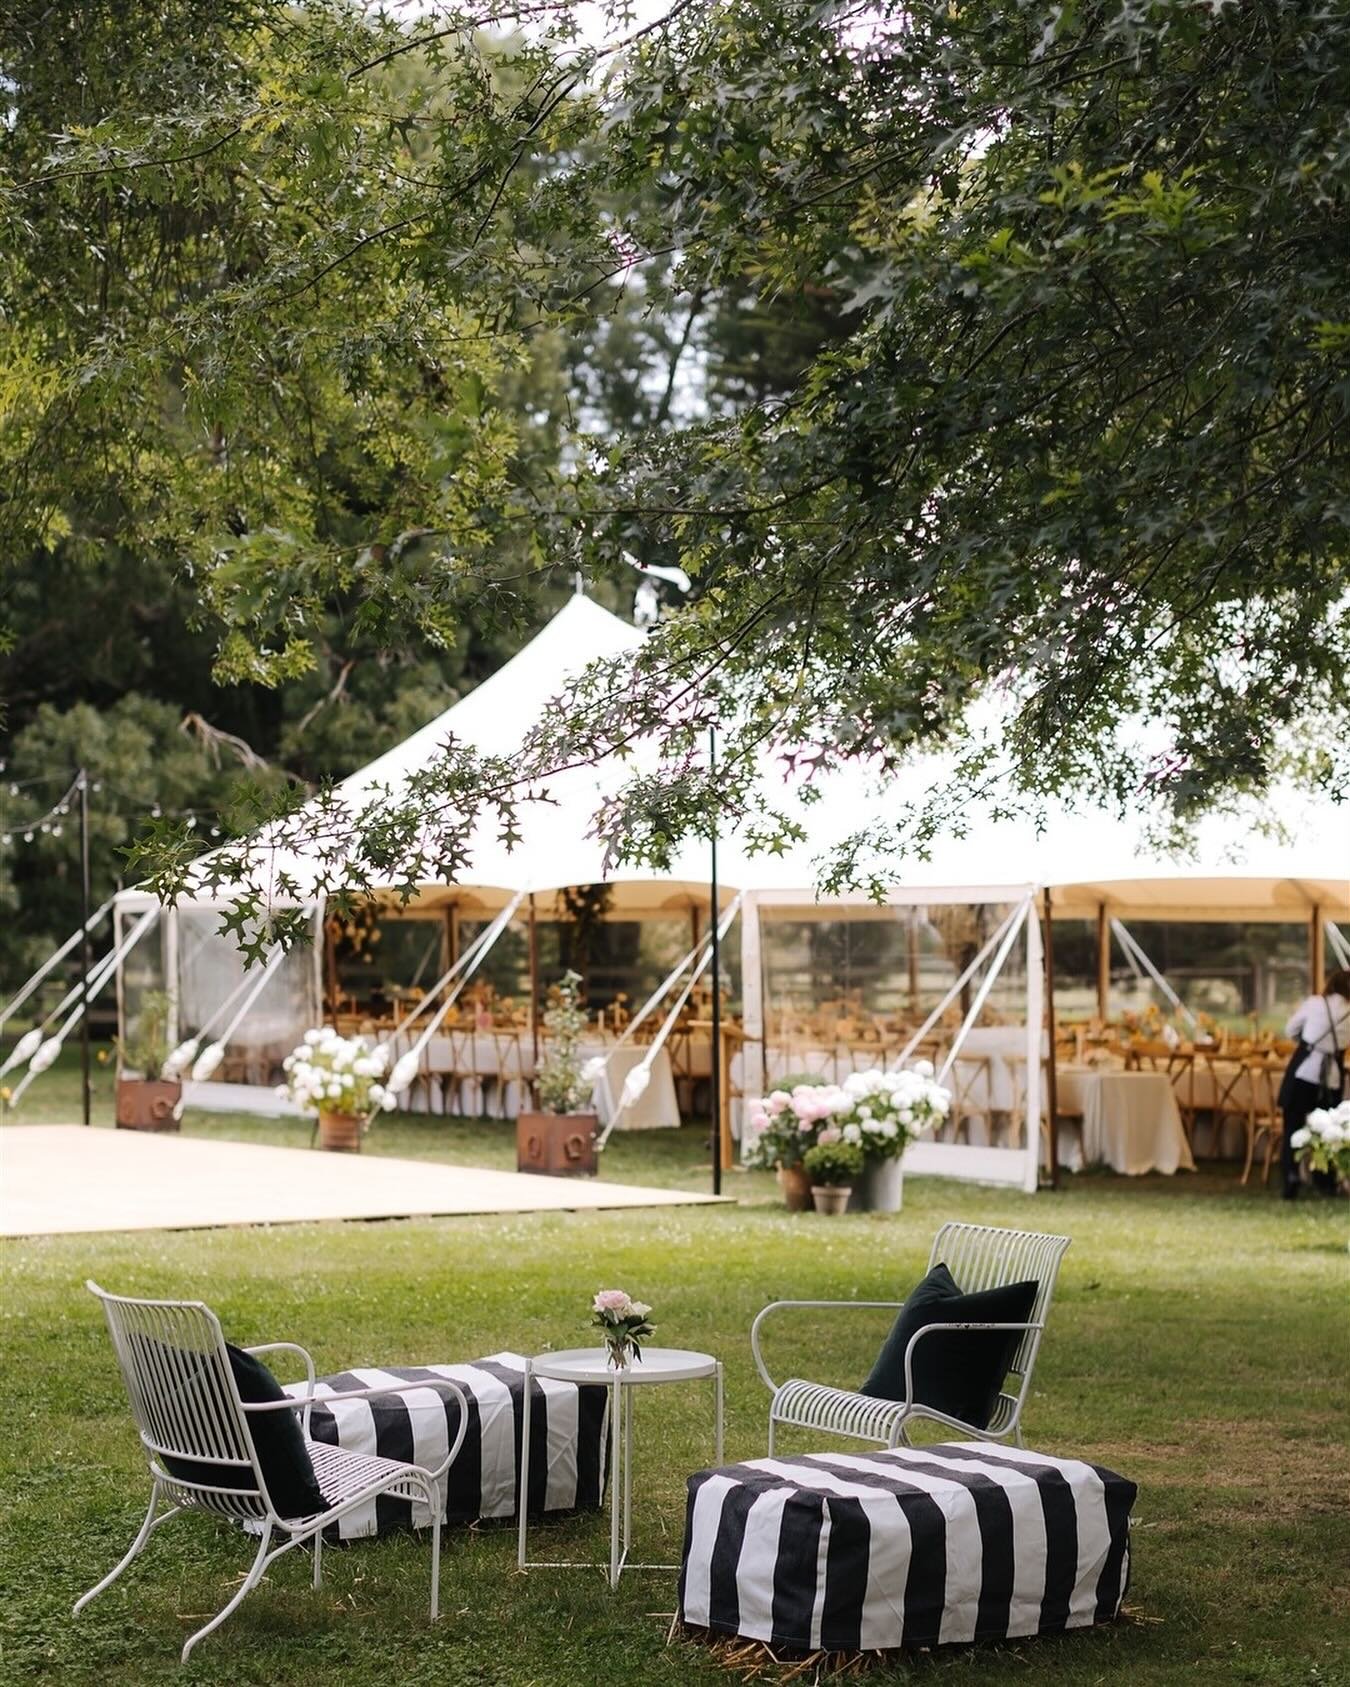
1199, 1344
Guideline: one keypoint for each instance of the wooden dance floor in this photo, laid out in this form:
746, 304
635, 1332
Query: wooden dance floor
63, 1179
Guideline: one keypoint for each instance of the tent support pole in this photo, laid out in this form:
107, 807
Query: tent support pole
330, 966
534, 982
1103, 964
714, 913
1317, 952
912, 960
1051, 1074
85, 1084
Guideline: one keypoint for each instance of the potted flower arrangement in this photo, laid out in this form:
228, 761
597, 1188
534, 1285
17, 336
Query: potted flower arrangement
149, 1095
1323, 1144
338, 1080
559, 1139
833, 1167
782, 1126
882, 1114
625, 1324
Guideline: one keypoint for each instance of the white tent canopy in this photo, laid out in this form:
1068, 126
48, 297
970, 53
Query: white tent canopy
1233, 872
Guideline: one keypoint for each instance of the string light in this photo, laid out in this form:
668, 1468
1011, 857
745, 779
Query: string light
207, 821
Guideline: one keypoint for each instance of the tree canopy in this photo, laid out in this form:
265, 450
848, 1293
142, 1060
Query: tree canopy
985, 368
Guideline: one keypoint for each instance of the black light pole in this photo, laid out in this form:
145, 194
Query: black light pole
716, 1063
83, 782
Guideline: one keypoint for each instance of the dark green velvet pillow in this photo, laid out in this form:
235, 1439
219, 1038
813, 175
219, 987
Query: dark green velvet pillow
960, 1372
286, 1465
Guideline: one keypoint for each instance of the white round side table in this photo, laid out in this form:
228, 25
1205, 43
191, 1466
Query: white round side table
591, 1365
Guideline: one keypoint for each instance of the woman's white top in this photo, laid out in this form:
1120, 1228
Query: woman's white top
1323, 1022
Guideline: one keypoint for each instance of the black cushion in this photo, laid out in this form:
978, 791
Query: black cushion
960, 1372
286, 1465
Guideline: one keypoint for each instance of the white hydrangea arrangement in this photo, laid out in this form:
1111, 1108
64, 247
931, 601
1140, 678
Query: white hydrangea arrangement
332, 1074
1324, 1142
879, 1112
885, 1111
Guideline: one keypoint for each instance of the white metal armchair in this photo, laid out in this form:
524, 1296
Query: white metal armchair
978, 1258
188, 1411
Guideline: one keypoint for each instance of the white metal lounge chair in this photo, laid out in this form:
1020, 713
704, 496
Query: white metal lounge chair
187, 1408
978, 1258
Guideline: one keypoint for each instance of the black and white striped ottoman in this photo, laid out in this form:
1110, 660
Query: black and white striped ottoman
417, 1422
914, 1547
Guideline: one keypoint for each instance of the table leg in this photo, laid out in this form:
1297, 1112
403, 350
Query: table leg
523, 1499
618, 1476
628, 1407
717, 1385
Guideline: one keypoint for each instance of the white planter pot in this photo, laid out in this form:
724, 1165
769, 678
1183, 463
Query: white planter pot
880, 1189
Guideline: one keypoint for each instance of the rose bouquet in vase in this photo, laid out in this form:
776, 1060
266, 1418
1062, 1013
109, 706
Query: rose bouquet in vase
625, 1324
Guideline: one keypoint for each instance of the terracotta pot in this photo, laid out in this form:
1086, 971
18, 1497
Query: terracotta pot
556, 1144
796, 1187
830, 1198
149, 1104
340, 1133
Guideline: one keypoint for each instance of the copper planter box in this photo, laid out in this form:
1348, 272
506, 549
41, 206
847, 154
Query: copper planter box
149, 1104
556, 1144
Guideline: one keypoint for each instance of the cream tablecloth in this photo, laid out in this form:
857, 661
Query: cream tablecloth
657, 1108
1131, 1122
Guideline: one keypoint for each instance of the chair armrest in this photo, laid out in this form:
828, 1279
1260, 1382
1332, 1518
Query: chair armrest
292, 1347
781, 1305
928, 1329
309, 1400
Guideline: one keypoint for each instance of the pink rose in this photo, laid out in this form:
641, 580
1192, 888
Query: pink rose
612, 1300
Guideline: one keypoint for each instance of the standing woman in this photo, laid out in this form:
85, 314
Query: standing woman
1316, 1073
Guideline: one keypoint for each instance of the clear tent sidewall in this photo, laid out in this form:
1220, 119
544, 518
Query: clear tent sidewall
200, 968
1018, 1167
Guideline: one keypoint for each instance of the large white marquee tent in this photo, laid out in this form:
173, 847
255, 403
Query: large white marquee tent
1088, 866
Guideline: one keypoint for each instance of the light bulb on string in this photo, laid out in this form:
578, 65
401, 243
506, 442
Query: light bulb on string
28, 837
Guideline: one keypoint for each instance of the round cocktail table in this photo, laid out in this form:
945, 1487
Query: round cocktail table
591, 1365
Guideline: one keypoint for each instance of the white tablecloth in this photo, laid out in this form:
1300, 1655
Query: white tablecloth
475, 1072
1131, 1123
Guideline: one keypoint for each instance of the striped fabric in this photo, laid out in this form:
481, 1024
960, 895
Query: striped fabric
916, 1546
416, 1422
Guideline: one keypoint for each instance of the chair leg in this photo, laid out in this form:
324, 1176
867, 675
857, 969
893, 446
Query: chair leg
1251, 1149
773, 1427
318, 1558
246, 1587
435, 1563
143, 1534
